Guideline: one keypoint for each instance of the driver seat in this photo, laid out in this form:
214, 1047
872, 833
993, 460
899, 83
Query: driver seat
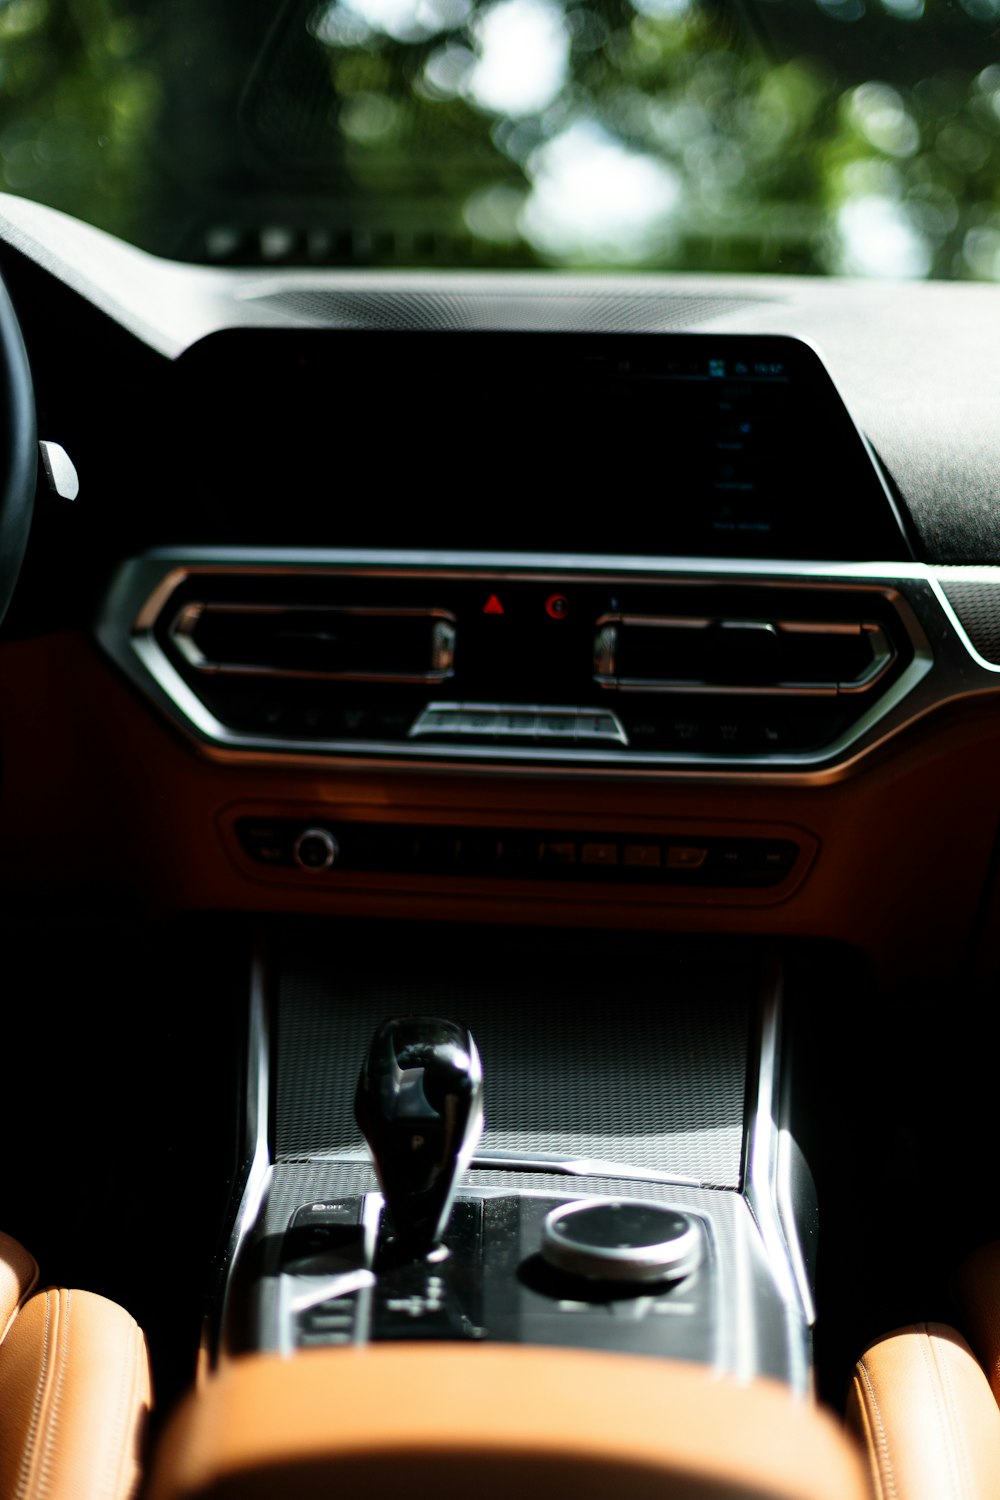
925, 1399
74, 1389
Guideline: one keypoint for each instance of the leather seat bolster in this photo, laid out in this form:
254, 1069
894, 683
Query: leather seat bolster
496, 1421
925, 1413
18, 1277
74, 1398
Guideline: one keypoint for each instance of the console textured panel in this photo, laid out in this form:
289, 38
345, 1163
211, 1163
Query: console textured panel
624, 1052
977, 606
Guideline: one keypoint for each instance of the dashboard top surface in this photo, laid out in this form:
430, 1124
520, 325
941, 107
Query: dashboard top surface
914, 363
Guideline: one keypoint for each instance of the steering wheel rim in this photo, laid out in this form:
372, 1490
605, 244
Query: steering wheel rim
19, 450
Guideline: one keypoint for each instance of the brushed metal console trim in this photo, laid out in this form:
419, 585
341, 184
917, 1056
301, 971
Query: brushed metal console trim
256, 1130
762, 1187
536, 1161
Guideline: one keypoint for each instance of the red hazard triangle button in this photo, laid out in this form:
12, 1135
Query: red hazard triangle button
493, 606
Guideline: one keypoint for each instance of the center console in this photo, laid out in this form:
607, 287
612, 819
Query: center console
551, 1232
630, 1189
522, 1199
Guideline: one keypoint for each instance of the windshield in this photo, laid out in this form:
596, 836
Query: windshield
857, 137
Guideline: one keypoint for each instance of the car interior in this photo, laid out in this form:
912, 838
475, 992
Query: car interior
500, 851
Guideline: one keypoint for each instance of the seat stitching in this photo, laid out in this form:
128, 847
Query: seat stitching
866, 1433
927, 1352
52, 1426
955, 1433
127, 1385
882, 1453
25, 1469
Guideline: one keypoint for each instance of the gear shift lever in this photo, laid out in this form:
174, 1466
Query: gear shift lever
419, 1106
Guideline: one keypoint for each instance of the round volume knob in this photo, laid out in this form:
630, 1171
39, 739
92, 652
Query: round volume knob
315, 849
619, 1239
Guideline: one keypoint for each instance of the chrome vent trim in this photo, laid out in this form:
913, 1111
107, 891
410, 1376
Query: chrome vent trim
183, 628
607, 645
951, 672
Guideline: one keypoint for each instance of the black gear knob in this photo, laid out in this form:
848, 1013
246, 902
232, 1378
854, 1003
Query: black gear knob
420, 1108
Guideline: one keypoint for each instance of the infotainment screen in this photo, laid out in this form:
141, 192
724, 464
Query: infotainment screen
654, 444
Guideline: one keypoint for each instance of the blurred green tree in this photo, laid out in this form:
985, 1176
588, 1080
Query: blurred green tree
811, 136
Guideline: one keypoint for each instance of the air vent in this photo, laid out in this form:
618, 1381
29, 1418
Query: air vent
643, 653
340, 643
432, 659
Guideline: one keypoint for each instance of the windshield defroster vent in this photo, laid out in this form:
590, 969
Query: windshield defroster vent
499, 309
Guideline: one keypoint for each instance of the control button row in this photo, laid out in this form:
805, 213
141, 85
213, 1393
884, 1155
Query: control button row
329, 1322
325, 1239
519, 853
492, 721
695, 730
695, 726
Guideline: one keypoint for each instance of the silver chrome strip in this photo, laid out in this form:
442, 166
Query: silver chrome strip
592, 724
579, 1166
181, 634
953, 672
784, 1201
371, 1217
737, 1336
256, 1133
182, 562
883, 656
761, 1189
536, 1161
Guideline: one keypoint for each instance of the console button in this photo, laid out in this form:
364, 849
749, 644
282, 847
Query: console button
561, 853
686, 856
595, 727
642, 856
322, 1237
560, 726
599, 854
267, 843
619, 1239
315, 849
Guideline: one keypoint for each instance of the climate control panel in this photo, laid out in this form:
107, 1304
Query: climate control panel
330, 849
542, 662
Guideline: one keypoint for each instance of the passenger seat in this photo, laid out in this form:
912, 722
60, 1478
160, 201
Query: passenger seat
925, 1400
74, 1389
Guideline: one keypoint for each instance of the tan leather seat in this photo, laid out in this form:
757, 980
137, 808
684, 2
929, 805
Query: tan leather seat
925, 1400
496, 1422
74, 1389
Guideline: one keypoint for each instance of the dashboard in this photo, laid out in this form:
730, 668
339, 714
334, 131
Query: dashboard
405, 618
520, 596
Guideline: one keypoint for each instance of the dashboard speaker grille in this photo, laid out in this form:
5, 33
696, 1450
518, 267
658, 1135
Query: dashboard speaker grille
590, 312
633, 1053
